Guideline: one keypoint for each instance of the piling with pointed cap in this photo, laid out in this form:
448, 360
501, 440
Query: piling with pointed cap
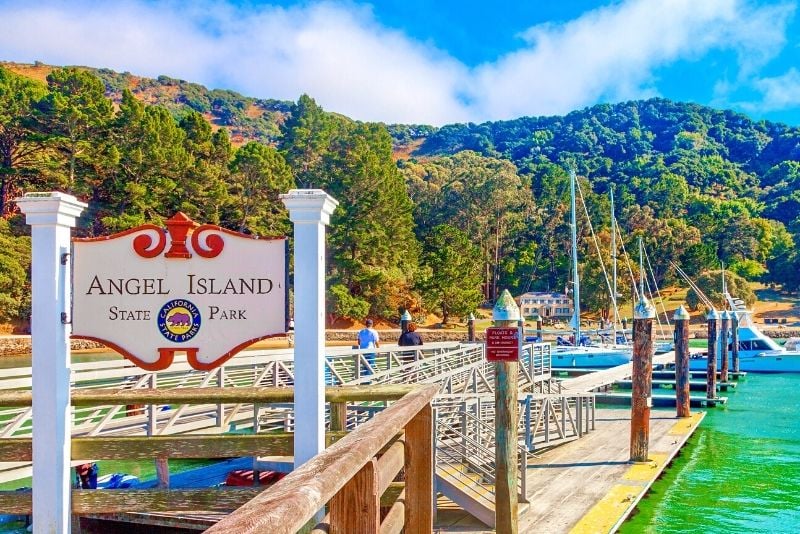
539, 333
681, 319
724, 324
405, 319
711, 368
735, 341
471, 327
506, 313
642, 378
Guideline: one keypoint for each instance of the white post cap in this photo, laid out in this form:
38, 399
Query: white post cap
644, 310
309, 205
51, 208
681, 314
505, 309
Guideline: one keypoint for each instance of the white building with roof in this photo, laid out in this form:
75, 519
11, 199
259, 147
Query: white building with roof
547, 305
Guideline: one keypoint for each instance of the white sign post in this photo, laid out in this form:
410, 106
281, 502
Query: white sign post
51, 216
310, 211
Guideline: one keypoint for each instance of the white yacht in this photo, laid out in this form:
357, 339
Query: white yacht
757, 352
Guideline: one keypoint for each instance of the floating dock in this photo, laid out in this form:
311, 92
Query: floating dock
658, 400
588, 485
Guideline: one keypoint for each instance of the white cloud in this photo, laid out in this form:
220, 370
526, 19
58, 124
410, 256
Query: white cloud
779, 92
339, 54
611, 53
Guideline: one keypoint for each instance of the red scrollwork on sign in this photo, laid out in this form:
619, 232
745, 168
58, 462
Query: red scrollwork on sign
143, 244
213, 242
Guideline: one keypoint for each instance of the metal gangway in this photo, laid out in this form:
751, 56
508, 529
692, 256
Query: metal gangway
464, 408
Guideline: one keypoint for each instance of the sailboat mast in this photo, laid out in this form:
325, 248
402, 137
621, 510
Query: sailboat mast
576, 291
641, 269
613, 267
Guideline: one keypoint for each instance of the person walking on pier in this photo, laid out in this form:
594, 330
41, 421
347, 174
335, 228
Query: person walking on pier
368, 339
407, 339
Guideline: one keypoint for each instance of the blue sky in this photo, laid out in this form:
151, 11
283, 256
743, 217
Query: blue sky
440, 61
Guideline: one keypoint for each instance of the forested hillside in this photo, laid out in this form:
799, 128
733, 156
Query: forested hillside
431, 219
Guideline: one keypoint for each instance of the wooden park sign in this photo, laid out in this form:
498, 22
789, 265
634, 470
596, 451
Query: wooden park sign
502, 344
196, 289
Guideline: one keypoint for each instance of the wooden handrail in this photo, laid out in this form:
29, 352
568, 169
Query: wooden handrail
211, 395
294, 500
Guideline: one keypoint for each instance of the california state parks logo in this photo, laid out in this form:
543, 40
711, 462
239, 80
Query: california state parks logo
179, 320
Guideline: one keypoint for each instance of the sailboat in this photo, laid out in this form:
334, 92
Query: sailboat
583, 355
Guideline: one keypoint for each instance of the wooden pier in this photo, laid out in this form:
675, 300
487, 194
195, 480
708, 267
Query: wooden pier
589, 486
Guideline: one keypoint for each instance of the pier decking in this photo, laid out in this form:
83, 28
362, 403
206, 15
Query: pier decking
589, 481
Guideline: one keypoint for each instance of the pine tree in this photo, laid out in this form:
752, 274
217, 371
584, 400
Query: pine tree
258, 175
453, 266
18, 150
307, 136
73, 118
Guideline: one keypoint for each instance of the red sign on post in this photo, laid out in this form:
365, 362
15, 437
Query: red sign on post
502, 344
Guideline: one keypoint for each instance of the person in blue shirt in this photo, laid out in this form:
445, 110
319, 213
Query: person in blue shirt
368, 339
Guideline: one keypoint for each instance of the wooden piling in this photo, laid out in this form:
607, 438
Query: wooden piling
711, 368
471, 328
405, 319
162, 472
724, 322
681, 319
642, 377
506, 314
735, 341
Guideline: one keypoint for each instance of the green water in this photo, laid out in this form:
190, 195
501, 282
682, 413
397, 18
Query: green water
740, 472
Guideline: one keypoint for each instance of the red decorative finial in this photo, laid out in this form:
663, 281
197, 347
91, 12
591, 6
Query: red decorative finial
178, 227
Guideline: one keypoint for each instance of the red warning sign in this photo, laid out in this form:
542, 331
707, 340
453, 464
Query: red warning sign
502, 344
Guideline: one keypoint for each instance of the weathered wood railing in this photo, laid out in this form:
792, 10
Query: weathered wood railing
353, 458
351, 477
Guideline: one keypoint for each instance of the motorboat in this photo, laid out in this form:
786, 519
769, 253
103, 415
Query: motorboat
758, 353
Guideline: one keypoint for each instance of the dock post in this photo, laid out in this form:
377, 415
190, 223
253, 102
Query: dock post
711, 368
310, 211
506, 313
51, 217
404, 320
539, 329
162, 472
471, 328
642, 377
682, 401
724, 323
735, 341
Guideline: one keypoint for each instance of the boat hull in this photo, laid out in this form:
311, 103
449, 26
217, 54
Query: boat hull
759, 363
586, 357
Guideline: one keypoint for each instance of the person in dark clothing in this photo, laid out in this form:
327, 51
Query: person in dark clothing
87, 475
411, 337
